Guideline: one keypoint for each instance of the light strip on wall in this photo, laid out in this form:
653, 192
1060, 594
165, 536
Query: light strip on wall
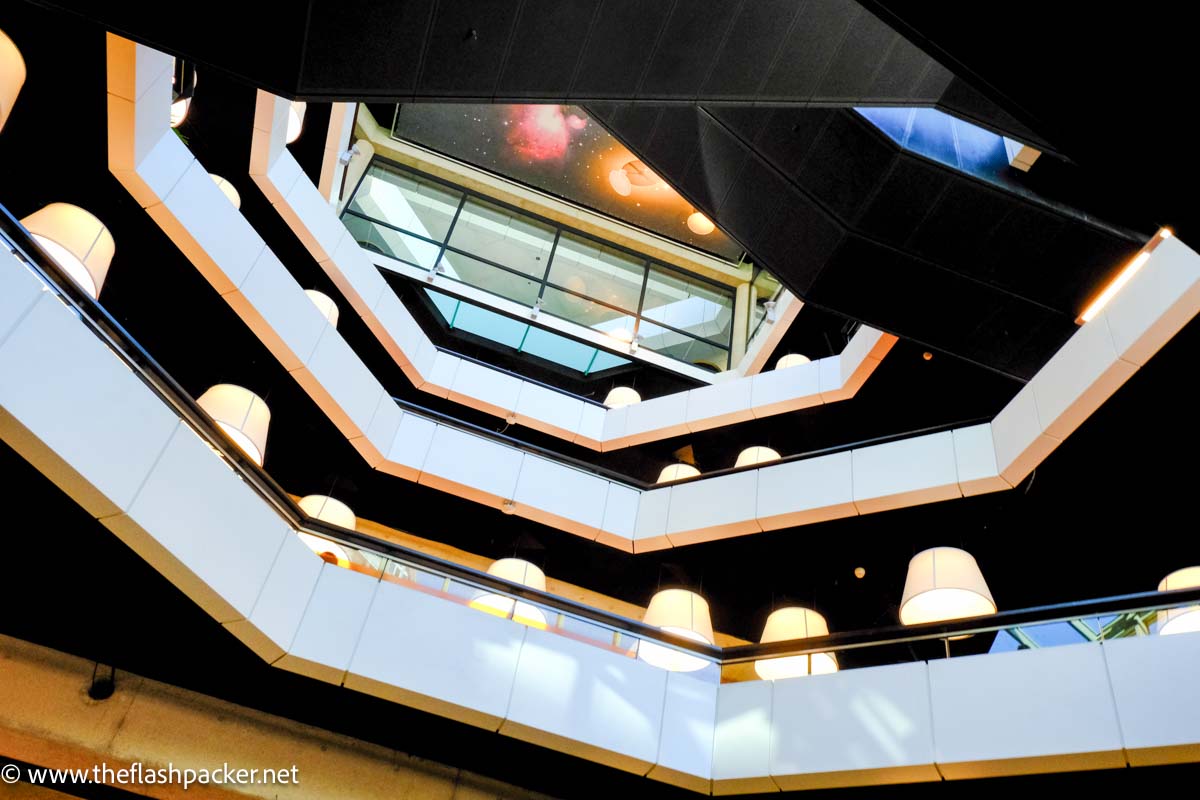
1131, 269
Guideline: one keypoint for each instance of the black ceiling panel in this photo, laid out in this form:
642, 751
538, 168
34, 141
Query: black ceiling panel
797, 242
546, 44
752, 200
905, 71
962, 99
683, 56
466, 47
788, 134
850, 75
392, 60
907, 192
745, 122
618, 49
844, 185
812, 42
717, 166
674, 143
751, 48
637, 122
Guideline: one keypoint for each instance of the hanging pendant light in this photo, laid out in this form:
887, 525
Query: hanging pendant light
334, 512
514, 570
795, 622
324, 304
227, 189
295, 120
677, 472
944, 583
12, 76
242, 415
682, 613
792, 360
622, 396
76, 240
756, 455
1179, 620
183, 87
699, 224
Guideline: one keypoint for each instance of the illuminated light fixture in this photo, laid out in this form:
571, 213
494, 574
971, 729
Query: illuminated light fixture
622, 396
684, 614
633, 174
227, 189
794, 622
241, 414
1123, 277
324, 304
179, 111
699, 224
944, 583
756, 455
792, 360
76, 240
514, 570
295, 122
620, 183
1179, 620
677, 472
335, 512
12, 76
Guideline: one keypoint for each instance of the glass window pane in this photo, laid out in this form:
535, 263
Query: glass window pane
406, 201
505, 237
380, 239
682, 347
474, 272
606, 360
490, 325
592, 269
559, 349
688, 304
583, 311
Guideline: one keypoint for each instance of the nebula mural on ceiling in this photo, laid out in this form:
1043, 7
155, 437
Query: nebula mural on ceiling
560, 150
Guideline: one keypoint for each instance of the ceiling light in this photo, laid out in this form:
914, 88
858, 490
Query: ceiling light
756, 455
514, 570
1123, 277
684, 614
1179, 620
677, 472
12, 76
334, 512
786, 624
699, 224
860, 572
944, 583
622, 396
241, 414
620, 183
324, 304
792, 360
179, 111
295, 121
76, 240
227, 189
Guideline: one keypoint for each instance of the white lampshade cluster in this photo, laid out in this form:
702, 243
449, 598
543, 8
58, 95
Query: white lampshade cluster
684, 614
514, 570
295, 122
792, 360
944, 583
622, 396
12, 76
324, 304
242, 415
227, 189
677, 472
335, 512
1180, 620
794, 622
78, 241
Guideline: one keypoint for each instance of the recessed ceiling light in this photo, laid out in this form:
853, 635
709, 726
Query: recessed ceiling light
860, 573
928, 356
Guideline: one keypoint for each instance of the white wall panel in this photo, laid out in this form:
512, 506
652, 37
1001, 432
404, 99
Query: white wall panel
272, 624
1157, 696
657, 418
742, 739
556, 494
407, 454
685, 746
1156, 303
905, 473
546, 410
331, 625
713, 508
620, 517
281, 315
781, 390
804, 492
650, 530
975, 459
471, 466
720, 404
1017, 434
484, 388
341, 384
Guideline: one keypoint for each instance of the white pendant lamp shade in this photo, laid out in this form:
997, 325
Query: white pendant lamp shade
944, 583
1180, 620
682, 613
677, 472
792, 360
227, 189
295, 120
179, 111
77, 241
699, 224
515, 570
335, 512
330, 551
756, 455
324, 304
12, 76
795, 622
242, 415
622, 396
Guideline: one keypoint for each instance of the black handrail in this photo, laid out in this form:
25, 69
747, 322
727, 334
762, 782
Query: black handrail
158, 380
